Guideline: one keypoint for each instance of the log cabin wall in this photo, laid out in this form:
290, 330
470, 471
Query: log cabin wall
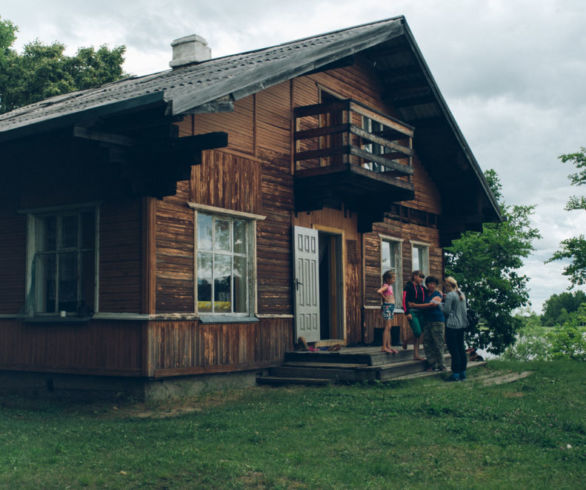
254, 174
100, 347
12, 259
56, 172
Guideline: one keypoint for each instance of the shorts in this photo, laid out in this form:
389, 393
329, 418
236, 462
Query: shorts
388, 310
415, 322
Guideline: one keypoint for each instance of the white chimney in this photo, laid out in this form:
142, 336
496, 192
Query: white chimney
188, 50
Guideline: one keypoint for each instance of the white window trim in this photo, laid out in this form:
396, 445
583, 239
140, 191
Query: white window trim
253, 279
415, 243
31, 215
399, 272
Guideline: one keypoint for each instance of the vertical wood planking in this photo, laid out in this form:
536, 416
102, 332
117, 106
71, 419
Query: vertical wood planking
100, 347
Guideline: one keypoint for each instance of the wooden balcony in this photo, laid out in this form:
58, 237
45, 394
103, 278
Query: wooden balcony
347, 153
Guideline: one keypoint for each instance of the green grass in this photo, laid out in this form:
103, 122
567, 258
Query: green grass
418, 434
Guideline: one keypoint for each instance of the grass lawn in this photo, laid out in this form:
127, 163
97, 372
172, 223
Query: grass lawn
530, 433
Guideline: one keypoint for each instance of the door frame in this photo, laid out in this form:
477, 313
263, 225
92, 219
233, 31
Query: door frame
342, 302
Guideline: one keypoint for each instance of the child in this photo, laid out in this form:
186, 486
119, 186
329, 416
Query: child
388, 307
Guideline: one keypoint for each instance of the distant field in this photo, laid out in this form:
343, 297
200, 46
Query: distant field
510, 425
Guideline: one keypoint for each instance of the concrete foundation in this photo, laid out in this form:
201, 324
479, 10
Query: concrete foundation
82, 388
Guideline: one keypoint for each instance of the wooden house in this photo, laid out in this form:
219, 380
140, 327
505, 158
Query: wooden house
198, 220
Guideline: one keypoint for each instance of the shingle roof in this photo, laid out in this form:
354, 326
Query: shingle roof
188, 87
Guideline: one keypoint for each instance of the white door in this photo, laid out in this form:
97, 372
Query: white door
306, 283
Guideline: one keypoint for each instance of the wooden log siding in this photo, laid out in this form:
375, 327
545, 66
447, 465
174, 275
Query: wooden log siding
373, 319
120, 257
99, 347
12, 263
189, 347
226, 180
175, 253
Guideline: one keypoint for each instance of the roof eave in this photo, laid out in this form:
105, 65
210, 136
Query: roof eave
106, 110
447, 113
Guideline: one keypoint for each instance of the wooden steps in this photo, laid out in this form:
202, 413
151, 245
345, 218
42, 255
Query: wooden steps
289, 380
348, 365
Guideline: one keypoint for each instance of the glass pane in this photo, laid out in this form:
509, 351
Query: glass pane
222, 236
416, 259
386, 256
204, 232
69, 231
222, 279
204, 282
88, 230
44, 273
240, 285
47, 233
240, 237
68, 282
87, 278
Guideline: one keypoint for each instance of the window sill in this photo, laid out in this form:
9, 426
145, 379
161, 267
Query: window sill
58, 320
209, 319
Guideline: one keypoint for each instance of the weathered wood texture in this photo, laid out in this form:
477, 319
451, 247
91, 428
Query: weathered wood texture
174, 253
240, 125
121, 257
12, 263
188, 347
99, 347
226, 180
373, 319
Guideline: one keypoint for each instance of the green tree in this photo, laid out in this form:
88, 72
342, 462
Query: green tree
574, 248
486, 265
556, 304
569, 340
43, 71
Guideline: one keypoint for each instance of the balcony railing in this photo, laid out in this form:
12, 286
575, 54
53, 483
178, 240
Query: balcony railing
347, 132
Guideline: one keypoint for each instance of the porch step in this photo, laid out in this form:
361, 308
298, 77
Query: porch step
425, 374
286, 380
340, 374
368, 356
397, 369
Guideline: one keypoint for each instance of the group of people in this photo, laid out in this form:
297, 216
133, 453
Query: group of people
430, 312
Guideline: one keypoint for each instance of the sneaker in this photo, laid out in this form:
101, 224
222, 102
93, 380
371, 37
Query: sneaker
463, 375
454, 377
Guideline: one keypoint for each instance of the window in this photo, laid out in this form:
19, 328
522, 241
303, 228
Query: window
224, 264
391, 260
63, 262
373, 127
420, 258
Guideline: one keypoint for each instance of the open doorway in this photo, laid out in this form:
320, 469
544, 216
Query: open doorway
331, 286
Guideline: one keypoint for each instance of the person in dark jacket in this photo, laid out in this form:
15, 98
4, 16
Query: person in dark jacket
455, 310
414, 293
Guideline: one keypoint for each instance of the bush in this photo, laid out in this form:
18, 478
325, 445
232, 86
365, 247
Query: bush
567, 341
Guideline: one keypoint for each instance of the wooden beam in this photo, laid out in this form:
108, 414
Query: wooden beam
380, 159
314, 133
402, 150
100, 136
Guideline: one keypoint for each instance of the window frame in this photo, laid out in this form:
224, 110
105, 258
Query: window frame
250, 220
421, 246
398, 284
34, 217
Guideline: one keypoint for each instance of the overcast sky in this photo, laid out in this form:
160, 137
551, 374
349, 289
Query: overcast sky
513, 73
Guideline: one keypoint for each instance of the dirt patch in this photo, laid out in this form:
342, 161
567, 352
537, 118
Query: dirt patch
513, 394
505, 378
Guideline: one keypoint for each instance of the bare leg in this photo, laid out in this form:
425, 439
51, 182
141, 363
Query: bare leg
416, 350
